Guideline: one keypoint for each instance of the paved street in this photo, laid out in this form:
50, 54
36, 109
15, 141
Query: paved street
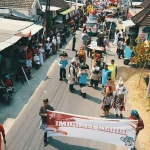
25, 133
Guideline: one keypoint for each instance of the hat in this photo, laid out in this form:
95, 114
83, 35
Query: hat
97, 68
73, 60
45, 100
135, 113
121, 81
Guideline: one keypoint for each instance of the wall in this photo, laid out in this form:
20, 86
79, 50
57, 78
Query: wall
23, 11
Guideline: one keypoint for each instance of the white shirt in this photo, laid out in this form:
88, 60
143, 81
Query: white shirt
47, 46
54, 41
58, 39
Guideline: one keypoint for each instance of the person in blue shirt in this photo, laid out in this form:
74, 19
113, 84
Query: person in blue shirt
63, 63
90, 33
83, 75
106, 73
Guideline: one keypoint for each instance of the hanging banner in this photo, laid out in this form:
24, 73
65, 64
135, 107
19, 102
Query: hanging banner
112, 131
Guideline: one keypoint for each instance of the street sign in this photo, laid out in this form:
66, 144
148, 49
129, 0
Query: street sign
94, 44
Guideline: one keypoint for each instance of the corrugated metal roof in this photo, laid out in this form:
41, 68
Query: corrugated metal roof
13, 25
16, 3
10, 28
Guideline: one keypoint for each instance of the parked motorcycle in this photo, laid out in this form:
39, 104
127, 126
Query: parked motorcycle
36, 61
8, 93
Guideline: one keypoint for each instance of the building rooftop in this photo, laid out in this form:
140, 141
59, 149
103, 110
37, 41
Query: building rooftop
16, 3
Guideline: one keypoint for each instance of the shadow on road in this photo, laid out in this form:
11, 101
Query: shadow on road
60, 145
89, 97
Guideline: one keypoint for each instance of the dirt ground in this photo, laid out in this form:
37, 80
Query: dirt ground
138, 101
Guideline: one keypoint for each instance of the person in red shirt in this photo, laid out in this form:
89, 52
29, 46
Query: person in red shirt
2, 131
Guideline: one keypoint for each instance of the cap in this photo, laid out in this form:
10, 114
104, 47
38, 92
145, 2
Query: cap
135, 113
45, 100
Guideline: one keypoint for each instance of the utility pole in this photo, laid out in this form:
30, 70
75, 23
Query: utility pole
47, 17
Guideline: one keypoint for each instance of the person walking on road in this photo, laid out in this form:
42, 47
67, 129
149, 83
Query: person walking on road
43, 114
72, 75
73, 41
2, 131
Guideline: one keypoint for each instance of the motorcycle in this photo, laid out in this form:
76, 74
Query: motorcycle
8, 93
63, 39
36, 61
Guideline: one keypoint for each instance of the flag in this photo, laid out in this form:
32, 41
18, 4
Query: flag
29, 36
113, 131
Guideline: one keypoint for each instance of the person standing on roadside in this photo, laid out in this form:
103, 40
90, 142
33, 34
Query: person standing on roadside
43, 114
73, 41
2, 131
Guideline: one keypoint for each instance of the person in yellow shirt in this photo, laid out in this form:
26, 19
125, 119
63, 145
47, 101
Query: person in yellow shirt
113, 68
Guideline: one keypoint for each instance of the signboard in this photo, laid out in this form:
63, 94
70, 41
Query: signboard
142, 37
94, 44
113, 131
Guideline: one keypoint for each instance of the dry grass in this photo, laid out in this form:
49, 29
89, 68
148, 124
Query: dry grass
138, 101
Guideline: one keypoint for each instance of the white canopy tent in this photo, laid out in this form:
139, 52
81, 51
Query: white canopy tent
128, 23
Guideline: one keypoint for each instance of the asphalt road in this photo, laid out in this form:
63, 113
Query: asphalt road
25, 133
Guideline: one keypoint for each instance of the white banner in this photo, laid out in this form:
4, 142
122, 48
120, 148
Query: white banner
114, 131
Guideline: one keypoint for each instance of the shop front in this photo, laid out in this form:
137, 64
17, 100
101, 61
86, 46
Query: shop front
66, 14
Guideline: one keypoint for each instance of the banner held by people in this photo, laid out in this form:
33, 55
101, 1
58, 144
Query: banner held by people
112, 131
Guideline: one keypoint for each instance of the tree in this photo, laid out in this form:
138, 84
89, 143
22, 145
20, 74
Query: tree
142, 52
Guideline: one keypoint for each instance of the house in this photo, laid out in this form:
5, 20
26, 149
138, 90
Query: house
65, 11
21, 8
142, 19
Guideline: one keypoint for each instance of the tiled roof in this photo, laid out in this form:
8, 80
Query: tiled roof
145, 3
143, 17
57, 3
16, 3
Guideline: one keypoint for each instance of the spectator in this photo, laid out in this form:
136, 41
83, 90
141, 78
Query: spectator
58, 41
47, 48
54, 43
29, 58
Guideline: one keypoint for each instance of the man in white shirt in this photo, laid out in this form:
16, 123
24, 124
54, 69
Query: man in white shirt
58, 41
54, 42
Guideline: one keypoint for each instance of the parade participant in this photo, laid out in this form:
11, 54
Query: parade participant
73, 41
106, 104
43, 114
105, 74
77, 66
63, 63
120, 98
140, 124
2, 131
58, 41
113, 68
81, 54
83, 74
95, 76
72, 75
